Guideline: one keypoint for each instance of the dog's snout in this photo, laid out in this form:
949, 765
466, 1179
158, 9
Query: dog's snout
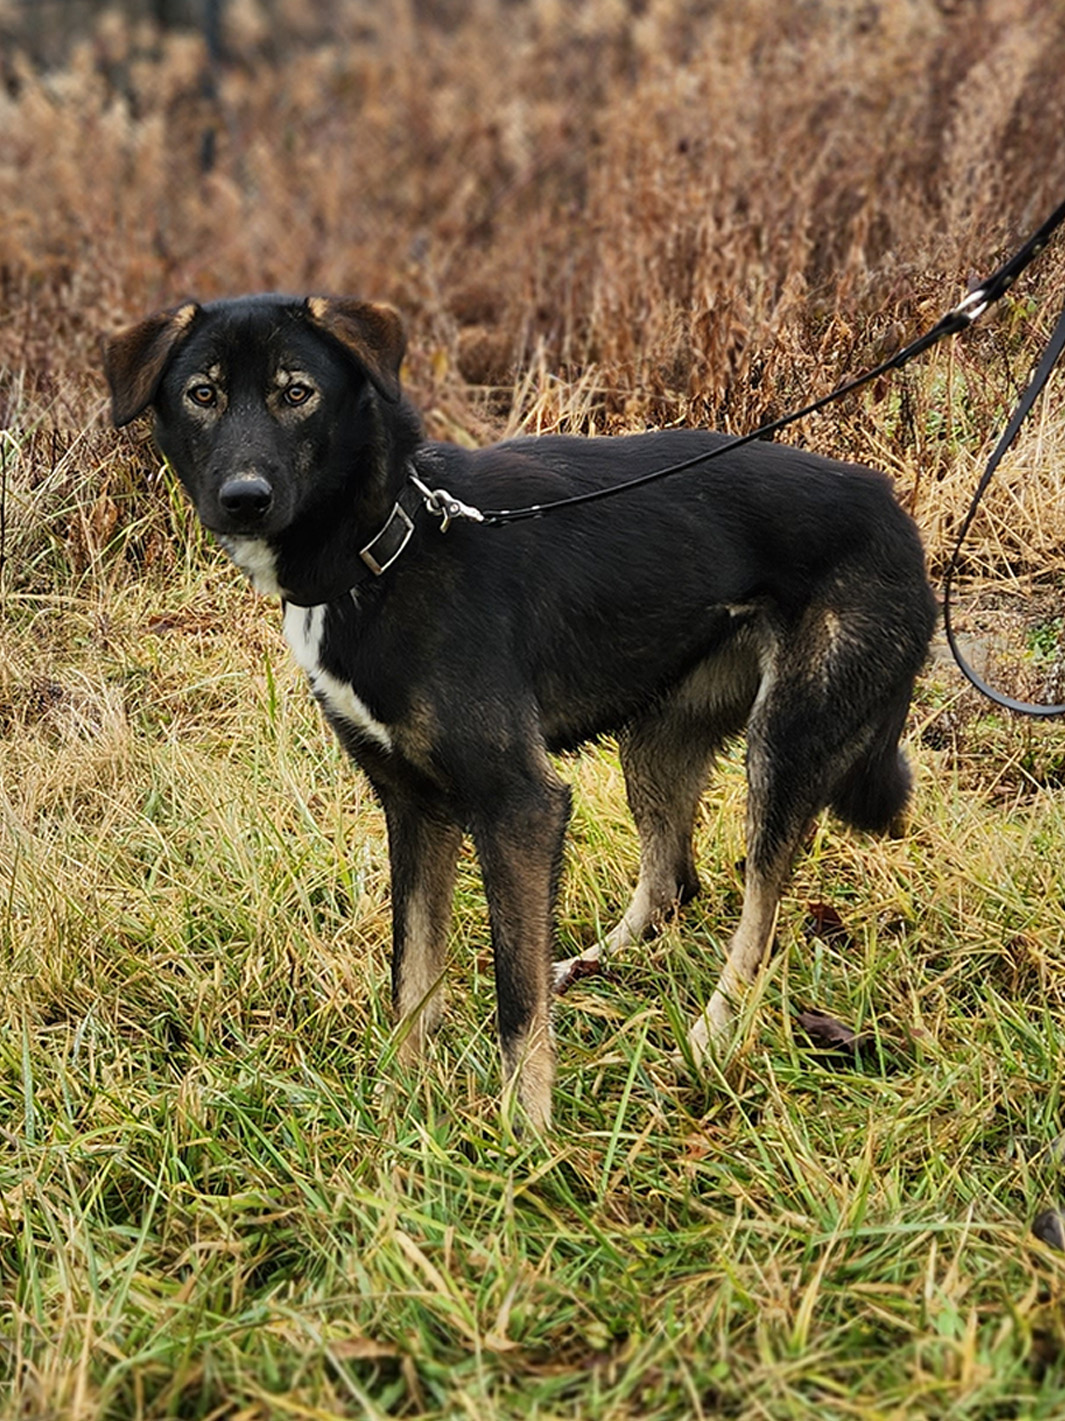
246, 495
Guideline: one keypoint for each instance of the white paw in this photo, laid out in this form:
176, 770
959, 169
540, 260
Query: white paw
587, 964
712, 1030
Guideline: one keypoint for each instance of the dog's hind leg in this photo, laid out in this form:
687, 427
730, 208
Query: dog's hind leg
423, 851
783, 795
807, 747
666, 759
519, 843
667, 756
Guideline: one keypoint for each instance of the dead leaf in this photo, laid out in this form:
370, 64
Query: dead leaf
823, 921
1050, 1227
362, 1349
825, 1031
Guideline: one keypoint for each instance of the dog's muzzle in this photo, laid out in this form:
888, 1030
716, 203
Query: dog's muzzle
246, 496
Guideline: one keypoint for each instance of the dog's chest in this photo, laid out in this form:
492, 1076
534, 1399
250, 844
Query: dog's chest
304, 631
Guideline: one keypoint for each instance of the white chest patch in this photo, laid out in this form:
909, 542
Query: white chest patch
256, 561
303, 632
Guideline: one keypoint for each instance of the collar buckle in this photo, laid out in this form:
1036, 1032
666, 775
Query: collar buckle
381, 552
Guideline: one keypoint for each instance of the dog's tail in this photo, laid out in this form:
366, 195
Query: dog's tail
875, 791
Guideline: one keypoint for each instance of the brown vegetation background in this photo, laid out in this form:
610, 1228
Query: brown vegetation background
602, 215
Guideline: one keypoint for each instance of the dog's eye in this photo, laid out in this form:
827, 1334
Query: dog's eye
297, 394
203, 395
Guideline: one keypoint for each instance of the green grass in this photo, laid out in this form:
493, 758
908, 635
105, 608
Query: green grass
221, 1197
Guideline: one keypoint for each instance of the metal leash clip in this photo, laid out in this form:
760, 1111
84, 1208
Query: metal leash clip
445, 506
975, 304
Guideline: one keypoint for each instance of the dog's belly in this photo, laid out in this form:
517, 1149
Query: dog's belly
303, 628
719, 686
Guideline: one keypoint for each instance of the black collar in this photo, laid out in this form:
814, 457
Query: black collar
381, 551
377, 556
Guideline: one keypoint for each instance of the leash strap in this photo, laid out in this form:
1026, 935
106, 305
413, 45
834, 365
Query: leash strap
1028, 399
986, 294
955, 320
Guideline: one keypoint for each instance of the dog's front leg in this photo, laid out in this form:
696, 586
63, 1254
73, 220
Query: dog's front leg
423, 851
519, 843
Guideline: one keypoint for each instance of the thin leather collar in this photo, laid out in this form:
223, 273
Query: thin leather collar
381, 551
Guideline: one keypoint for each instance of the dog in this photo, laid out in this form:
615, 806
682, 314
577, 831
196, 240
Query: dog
770, 589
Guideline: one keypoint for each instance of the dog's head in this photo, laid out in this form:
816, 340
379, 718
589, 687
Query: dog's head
263, 404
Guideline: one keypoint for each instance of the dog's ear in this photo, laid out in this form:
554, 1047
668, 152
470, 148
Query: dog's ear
372, 333
134, 359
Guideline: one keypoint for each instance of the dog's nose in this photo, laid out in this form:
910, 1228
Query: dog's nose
247, 495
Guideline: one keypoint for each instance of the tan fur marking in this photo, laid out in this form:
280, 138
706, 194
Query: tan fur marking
421, 990
535, 1073
747, 953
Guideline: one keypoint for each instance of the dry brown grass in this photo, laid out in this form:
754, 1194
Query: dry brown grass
601, 216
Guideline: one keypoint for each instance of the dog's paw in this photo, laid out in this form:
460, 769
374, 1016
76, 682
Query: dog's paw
712, 1032
573, 969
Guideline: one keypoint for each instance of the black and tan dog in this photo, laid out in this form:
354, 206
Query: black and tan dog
770, 589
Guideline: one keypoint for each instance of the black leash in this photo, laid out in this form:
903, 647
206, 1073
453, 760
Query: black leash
444, 506
955, 320
1028, 399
